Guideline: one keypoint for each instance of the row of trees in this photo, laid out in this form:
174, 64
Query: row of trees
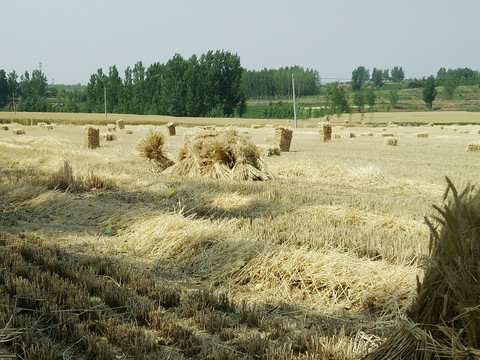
33, 90
277, 83
361, 76
204, 86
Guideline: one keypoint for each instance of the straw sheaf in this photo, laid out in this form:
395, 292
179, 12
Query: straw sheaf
283, 138
444, 317
151, 147
325, 131
171, 129
92, 137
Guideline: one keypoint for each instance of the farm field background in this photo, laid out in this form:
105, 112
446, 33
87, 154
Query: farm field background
320, 262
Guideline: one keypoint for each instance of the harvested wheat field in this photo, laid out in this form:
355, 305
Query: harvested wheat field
105, 256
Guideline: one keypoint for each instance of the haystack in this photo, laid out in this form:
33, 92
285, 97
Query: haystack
151, 147
444, 319
420, 135
18, 132
391, 141
92, 137
171, 129
283, 138
473, 147
110, 137
325, 131
269, 150
5, 127
111, 127
120, 124
49, 127
220, 155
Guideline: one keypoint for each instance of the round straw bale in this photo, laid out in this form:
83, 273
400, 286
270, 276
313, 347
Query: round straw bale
18, 132
111, 127
391, 141
92, 137
420, 135
171, 129
120, 124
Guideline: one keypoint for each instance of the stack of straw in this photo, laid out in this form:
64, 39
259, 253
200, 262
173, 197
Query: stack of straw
151, 147
473, 147
171, 129
220, 155
444, 320
283, 138
111, 127
120, 124
18, 131
92, 137
391, 141
325, 131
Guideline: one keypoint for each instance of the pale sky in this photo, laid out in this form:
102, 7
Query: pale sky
72, 39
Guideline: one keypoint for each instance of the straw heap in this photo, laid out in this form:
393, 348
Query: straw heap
171, 129
283, 138
92, 137
5, 127
18, 132
220, 155
473, 147
444, 319
325, 132
120, 124
111, 127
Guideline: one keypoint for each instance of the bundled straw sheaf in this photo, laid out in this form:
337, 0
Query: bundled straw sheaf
151, 147
444, 319
283, 138
224, 154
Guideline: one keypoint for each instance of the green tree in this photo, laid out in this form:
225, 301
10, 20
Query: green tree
393, 97
114, 88
336, 99
359, 101
95, 92
429, 91
4, 93
397, 74
450, 84
370, 99
359, 77
377, 77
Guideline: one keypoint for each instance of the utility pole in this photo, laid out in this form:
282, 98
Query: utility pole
294, 106
14, 107
105, 100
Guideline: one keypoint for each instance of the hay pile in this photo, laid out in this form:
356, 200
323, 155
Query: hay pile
111, 127
473, 147
109, 137
420, 135
92, 137
444, 319
283, 138
220, 155
171, 129
391, 142
120, 124
151, 147
325, 131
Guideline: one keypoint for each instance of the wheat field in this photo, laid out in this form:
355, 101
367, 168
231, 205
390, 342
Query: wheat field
103, 257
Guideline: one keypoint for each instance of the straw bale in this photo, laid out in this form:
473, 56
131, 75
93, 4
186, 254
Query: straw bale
128, 131
49, 127
111, 127
386, 135
42, 124
223, 154
110, 137
171, 129
420, 135
351, 135
366, 134
269, 126
120, 124
18, 132
338, 136
391, 141
478, 132
92, 137
464, 132
283, 138
255, 126
473, 147
325, 131
443, 319
5, 127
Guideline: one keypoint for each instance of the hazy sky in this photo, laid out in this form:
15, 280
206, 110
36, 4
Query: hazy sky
72, 39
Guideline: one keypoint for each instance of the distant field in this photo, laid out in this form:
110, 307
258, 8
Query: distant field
319, 263
424, 117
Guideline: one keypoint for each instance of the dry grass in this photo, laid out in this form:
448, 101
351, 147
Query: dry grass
320, 262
